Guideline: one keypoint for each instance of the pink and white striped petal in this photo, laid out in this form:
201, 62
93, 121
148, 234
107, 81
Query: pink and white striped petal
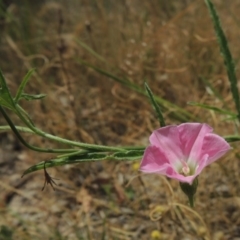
167, 140
181, 152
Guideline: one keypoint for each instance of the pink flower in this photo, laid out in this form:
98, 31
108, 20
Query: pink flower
181, 152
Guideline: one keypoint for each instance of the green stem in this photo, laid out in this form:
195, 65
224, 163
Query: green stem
229, 138
19, 128
232, 138
31, 146
62, 140
28, 130
191, 201
80, 152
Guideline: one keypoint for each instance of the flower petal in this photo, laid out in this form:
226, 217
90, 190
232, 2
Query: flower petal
202, 164
167, 140
175, 175
191, 142
154, 161
192, 136
215, 146
189, 179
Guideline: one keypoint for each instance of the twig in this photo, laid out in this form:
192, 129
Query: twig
48, 178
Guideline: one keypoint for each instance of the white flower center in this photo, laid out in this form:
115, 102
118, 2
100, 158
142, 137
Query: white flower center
185, 170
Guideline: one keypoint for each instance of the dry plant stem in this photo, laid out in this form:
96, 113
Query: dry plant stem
194, 213
144, 188
48, 179
66, 78
89, 30
20, 55
61, 49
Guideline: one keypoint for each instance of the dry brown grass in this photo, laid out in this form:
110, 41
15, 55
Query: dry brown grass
169, 43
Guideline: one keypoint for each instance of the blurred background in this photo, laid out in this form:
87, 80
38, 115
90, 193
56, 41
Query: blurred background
168, 43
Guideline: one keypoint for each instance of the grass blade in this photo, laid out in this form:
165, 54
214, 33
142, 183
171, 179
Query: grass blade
30, 97
6, 99
178, 113
22, 85
155, 106
90, 50
212, 89
215, 109
228, 60
232, 138
87, 157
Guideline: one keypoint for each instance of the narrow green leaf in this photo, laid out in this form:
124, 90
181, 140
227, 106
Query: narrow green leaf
215, 109
111, 76
61, 161
30, 97
6, 99
229, 119
76, 153
227, 56
22, 85
88, 157
129, 155
155, 106
232, 138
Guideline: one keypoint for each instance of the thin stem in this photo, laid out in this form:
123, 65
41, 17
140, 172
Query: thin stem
229, 138
28, 130
19, 128
31, 146
62, 140
191, 201
134, 147
80, 152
